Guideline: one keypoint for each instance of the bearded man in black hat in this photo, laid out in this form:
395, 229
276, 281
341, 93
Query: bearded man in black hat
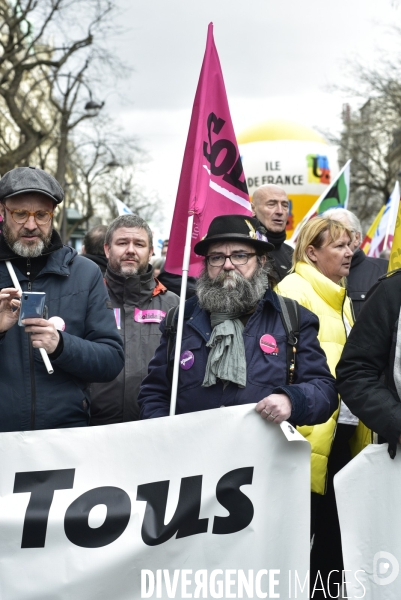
89, 347
234, 344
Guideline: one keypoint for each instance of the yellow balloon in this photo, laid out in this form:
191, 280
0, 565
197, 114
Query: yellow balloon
291, 155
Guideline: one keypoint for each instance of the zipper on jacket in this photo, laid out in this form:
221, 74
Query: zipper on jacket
32, 373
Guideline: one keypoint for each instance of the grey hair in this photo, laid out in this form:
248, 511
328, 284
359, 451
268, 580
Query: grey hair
333, 213
128, 221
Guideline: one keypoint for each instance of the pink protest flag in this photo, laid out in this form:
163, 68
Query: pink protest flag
212, 179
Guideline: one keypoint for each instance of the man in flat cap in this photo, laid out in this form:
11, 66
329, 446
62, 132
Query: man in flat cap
234, 343
88, 349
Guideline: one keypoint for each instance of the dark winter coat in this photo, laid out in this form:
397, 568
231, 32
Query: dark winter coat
364, 273
30, 398
368, 355
116, 401
282, 261
313, 395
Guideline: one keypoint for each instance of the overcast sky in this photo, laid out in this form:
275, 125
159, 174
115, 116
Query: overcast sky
277, 57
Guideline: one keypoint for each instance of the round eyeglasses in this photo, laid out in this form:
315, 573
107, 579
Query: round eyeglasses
42, 217
237, 258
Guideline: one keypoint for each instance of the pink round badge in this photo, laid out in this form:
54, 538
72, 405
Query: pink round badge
187, 359
268, 344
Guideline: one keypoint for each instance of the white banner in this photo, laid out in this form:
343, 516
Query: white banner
368, 493
211, 504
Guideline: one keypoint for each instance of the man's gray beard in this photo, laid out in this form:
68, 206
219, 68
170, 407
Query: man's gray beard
231, 292
26, 250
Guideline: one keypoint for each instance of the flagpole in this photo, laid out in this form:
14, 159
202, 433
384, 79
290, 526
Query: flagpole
185, 269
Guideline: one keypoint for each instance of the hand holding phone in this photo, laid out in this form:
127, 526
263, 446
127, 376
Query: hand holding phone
32, 306
44, 334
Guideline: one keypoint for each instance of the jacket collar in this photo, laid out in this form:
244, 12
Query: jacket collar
332, 293
58, 263
134, 290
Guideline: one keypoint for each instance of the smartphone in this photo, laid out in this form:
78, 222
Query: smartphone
32, 306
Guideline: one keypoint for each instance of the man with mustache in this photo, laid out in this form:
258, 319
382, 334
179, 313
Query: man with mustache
234, 344
89, 349
140, 303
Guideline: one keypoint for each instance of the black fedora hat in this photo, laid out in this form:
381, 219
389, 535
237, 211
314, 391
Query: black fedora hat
235, 228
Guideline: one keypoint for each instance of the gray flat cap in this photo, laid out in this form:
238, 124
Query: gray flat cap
30, 179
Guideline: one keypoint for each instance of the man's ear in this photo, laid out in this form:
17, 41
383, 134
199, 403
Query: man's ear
263, 259
2, 210
253, 209
106, 250
311, 253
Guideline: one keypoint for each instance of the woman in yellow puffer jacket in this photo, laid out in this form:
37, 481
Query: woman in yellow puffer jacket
321, 261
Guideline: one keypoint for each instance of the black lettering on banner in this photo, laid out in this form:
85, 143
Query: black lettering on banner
228, 160
217, 126
41, 485
239, 506
234, 176
229, 166
76, 524
185, 521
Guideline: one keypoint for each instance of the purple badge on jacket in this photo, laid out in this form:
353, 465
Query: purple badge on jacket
187, 359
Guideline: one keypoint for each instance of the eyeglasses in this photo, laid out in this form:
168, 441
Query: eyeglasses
42, 217
239, 258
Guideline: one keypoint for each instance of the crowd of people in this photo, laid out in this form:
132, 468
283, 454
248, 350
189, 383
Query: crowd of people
263, 323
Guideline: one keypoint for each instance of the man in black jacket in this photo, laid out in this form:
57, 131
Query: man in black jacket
270, 206
89, 347
365, 270
369, 372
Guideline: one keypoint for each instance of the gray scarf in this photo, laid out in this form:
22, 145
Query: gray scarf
226, 360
